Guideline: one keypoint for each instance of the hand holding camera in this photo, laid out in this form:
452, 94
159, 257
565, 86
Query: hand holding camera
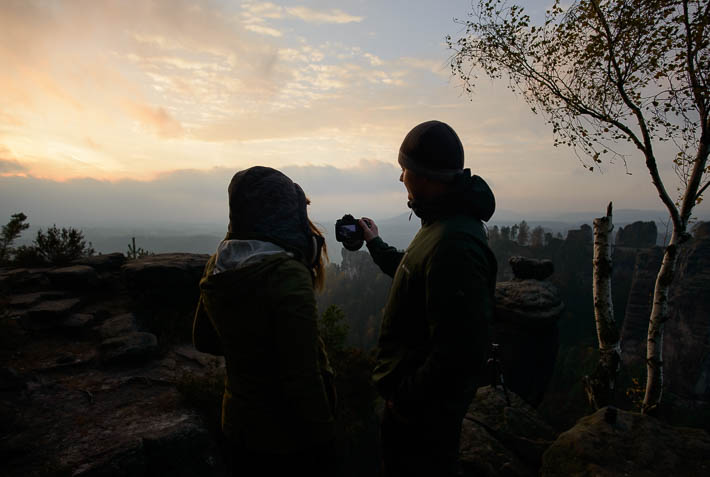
352, 233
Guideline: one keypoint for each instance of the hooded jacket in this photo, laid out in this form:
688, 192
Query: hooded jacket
434, 335
257, 307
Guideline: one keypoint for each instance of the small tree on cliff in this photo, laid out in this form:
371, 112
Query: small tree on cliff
10, 232
601, 72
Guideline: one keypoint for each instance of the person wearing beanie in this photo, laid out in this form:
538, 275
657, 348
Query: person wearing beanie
257, 308
433, 341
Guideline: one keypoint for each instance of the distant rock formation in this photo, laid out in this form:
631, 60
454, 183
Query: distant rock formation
525, 327
686, 343
630, 444
637, 235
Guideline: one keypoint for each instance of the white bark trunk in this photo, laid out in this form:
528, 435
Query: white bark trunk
654, 340
600, 386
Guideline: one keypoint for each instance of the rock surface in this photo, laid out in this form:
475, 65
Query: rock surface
634, 445
84, 390
498, 439
525, 327
686, 343
135, 347
637, 235
531, 268
76, 277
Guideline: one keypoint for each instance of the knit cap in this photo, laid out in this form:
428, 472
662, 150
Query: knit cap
432, 149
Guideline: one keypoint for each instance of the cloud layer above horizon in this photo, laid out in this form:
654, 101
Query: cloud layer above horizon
122, 110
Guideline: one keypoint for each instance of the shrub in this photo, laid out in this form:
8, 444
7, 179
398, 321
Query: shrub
60, 246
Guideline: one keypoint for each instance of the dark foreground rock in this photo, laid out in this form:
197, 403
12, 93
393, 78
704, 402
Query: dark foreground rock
502, 439
633, 445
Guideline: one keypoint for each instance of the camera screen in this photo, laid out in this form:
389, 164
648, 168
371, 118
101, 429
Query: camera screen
350, 228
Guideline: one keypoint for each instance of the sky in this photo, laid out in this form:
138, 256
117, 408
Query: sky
141, 111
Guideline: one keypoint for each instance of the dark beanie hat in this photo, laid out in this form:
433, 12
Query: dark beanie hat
432, 149
264, 204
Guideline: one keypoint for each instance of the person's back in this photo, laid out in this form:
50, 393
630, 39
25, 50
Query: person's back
257, 308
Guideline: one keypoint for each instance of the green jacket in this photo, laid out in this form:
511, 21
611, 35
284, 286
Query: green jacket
434, 336
262, 316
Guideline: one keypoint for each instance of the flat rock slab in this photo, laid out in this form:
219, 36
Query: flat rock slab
103, 263
634, 444
168, 273
118, 325
78, 320
77, 277
132, 348
49, 314
27, 300
24, 279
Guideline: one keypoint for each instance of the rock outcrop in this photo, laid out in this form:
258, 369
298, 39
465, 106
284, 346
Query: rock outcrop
501, 438
630, 444
686, 344
89, 388
637, 235
525, 327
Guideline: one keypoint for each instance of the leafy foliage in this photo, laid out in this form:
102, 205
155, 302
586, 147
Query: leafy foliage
333, 330
635, 71
60, 246
605, 72
10, 232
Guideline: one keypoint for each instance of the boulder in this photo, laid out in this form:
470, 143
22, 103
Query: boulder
482, 455
118, 325
103, 263
49, 314
131, 348
517, 426
20, 279
528, 303
76, 277
27, 300
531, 268
633, 444
78, 320
168, 274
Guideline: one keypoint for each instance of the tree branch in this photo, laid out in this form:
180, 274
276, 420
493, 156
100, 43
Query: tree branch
648, 146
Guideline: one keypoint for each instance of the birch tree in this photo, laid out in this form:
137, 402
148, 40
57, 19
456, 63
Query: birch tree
604, 73
600, 385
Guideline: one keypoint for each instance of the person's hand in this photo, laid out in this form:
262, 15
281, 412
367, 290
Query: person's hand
369, 229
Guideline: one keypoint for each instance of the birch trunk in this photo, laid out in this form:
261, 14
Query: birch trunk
654, 340
600, 385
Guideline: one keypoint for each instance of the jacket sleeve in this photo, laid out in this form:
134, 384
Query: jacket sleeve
459, 306
204, 336
299, 355
385, 256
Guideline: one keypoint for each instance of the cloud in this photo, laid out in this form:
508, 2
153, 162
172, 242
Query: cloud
264, 30
10, 166
157, 119
314, 16
197, 196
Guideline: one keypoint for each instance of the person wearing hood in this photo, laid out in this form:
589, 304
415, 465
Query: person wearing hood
257, 307
433, 341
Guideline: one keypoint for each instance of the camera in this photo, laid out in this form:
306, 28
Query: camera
349, 233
